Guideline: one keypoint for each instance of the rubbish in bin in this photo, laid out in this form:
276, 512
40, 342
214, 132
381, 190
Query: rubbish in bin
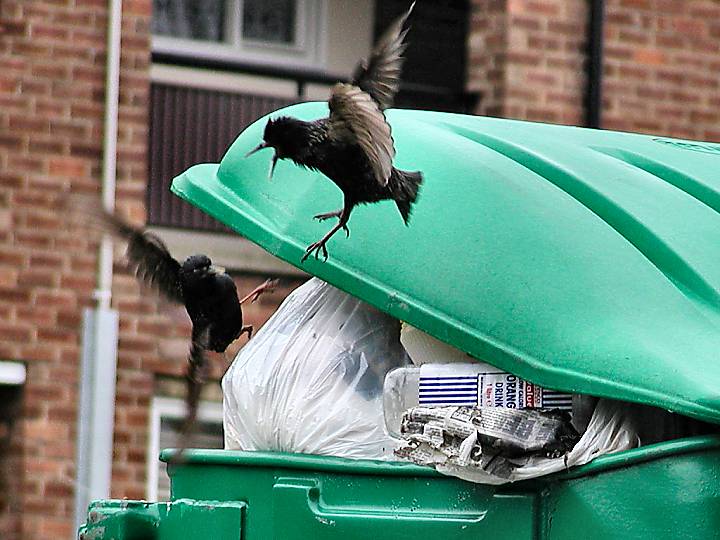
311, 379
496, 445
484, 434
469, 384
353, 146
208, 293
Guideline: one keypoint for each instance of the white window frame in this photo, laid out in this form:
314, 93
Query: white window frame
12, 373
308, 51
172, 408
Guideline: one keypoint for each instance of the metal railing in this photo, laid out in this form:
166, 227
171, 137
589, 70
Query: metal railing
195, 125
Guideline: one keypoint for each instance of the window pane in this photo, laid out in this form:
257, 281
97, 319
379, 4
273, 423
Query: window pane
269, 20
189, 19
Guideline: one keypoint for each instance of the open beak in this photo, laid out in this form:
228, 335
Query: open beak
258, 147
272, 166
274, 159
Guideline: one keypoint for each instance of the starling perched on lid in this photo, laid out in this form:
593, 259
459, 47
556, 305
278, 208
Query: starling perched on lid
353, 146
208, 293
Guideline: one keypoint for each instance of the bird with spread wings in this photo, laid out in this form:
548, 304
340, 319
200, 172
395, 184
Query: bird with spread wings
353, 146
208, 294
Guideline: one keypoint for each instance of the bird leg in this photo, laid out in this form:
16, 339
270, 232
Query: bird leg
320, 244
253, 295
328, 215
337, 214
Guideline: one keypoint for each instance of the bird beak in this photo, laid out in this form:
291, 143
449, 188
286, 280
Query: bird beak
257, 148
216, 269
272, 166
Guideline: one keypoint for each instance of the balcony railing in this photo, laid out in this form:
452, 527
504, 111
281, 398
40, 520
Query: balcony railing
190, 126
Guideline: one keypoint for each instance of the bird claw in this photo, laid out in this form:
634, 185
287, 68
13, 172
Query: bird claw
316, 247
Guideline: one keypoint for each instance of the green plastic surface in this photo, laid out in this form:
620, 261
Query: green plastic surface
583, 260
659, 492
178, 520
664, 491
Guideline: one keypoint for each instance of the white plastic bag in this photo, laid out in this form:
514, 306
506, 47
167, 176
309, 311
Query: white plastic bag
310, 381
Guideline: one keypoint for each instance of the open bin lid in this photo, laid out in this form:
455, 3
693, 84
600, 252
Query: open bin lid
586, 261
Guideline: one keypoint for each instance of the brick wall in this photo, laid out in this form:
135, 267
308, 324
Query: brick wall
545, 78
661, 63
526, 58
487, 53
51, 91
662, 67
52, 70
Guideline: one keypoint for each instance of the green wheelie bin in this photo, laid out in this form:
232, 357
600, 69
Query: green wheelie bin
584, 261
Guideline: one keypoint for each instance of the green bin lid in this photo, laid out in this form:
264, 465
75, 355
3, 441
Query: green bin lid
585, 261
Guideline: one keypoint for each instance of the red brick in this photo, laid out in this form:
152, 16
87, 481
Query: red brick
11, 180
54, 261
35, 314
67, 166
63, 414
13, 294
138, 7
15, 333
54, 298
45, 392
8, 277
37, 277
39, 353
24, 124
49, 32
649, 56
59, 489
78, 282
57, 335
56, 528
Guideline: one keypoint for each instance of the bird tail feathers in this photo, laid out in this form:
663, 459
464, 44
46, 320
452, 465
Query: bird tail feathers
195, 377
405, 187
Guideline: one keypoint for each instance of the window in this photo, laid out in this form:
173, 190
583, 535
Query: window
269, 21
284, 32
166, 418
12, 379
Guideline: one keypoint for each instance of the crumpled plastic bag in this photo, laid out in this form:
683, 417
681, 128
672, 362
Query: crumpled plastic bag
611, 429
311, 379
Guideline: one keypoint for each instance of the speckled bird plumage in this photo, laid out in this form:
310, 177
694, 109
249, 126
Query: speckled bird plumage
353, 146
208, 295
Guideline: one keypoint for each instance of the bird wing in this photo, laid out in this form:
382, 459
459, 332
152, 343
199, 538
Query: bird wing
379, 75
356, 118
152, 263
148, 257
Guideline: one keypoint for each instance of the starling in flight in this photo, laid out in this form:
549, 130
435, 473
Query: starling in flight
353, 146
208, 294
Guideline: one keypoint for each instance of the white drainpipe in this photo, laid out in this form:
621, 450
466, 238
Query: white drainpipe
96, 411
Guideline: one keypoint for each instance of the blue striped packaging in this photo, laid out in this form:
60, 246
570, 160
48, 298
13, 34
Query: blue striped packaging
472, 385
